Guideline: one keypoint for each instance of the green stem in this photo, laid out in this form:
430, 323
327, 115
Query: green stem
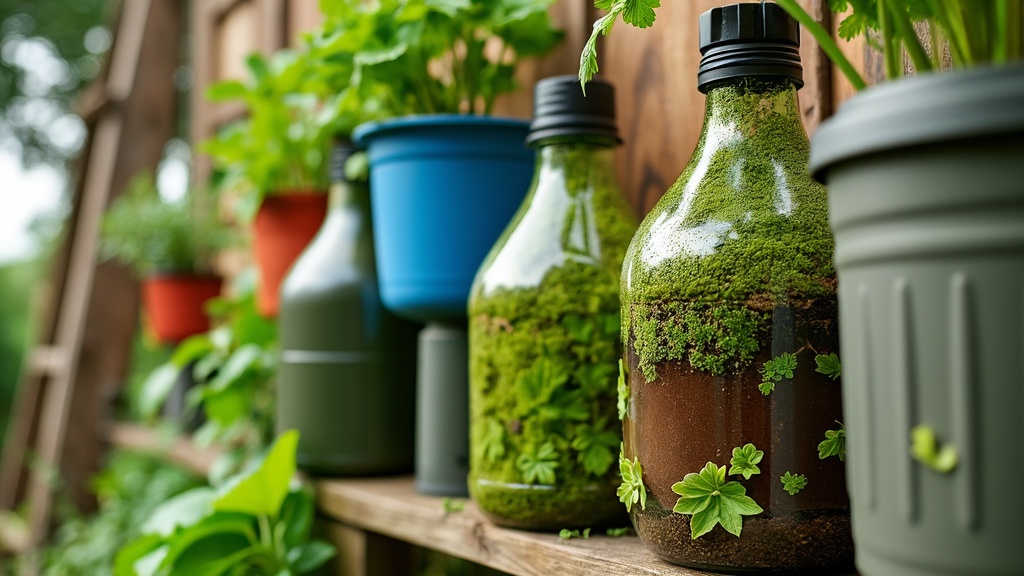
937, 40
1000, 45
956, 32
890, 47
266, 536
825, 41
904, 29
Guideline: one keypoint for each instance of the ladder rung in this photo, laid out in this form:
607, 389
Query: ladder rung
48, 360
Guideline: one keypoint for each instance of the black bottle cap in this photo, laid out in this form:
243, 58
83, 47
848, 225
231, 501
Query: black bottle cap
340, 152
755, 39
561, 109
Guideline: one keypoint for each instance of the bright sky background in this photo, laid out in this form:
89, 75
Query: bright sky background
23, 196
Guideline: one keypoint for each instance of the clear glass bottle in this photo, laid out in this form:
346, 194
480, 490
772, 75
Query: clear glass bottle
729, 308
544, 327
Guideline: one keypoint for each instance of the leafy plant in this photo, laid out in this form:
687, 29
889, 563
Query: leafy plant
431, 56
255, 523
143, 231
745, 460
711, 500
233, 366
834, 444
282, 143
829, 365
632, 489
775, 370
924, 447
129, 488
977, 32
618, 532
793, 483
452, 505
539, 466
595, 446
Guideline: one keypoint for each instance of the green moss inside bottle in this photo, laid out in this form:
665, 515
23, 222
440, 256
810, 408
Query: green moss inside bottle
545, 344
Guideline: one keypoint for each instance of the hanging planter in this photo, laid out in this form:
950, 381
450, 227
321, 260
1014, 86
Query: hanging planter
927, 205
284, 225
175, 304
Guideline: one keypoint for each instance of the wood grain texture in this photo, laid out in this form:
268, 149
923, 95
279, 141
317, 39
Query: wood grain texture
391, 507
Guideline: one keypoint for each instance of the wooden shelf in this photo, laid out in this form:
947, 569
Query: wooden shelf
390, 507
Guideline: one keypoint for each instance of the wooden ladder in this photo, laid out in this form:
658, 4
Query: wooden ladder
55, 439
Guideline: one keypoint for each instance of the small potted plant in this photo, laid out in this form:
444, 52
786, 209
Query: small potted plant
276, 158
927, 206
171, 247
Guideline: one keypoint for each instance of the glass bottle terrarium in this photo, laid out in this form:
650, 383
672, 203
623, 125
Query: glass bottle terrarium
732, 441
544, 327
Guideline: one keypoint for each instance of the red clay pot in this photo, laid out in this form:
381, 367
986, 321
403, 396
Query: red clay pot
175, 304
284, 225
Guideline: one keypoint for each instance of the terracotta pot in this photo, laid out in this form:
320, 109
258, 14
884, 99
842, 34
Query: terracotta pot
284, 226
175, 304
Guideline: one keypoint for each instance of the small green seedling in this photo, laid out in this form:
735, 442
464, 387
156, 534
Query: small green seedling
793, 483
834, 444
452, 505
774, 370
711, 500
566, 534
829, 365
744, 461
618, 532
632, 489
623, 391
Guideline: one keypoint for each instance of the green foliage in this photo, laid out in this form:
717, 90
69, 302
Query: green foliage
775, 370
430, 56
618, 532
233, 366
58, 29
632, 489
977, 32
834, 444
17, 282
745, 460
538, 466
566, 534
282, 144
793, 483
595, 445
255, 523
924, 447
639, 13
622, 388
150, 235
711, 500
130, 487
829, 365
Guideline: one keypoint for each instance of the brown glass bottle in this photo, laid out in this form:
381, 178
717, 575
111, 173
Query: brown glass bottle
729, 304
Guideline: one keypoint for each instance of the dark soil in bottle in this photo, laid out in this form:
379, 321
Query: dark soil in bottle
685, 418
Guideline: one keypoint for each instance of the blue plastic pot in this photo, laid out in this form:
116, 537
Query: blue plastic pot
442, 188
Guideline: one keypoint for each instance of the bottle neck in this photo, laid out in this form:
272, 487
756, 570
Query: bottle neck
581, 165
763, 113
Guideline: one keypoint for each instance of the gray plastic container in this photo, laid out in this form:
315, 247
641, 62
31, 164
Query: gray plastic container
926, 185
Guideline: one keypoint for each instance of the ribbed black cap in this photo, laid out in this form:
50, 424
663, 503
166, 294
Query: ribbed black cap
340, 152
753, 39
561, 109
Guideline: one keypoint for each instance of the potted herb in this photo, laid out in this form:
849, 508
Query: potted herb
927, 207
445, 178
171, 247
276, 158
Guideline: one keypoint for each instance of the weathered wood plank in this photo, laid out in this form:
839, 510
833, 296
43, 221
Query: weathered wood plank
391, 507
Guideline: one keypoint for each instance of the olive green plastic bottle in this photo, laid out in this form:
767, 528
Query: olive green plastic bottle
544, 328
348, 366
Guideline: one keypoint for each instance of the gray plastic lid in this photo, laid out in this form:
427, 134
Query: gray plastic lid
744, 40
922, 110
561, 109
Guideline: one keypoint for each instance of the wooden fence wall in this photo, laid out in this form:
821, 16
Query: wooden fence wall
654, 71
